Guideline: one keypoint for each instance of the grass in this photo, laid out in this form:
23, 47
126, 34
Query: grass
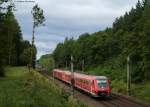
141, 91
23, 89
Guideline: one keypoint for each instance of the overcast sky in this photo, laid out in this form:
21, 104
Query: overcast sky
68, 18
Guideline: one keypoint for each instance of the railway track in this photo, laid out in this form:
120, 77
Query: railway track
115, 101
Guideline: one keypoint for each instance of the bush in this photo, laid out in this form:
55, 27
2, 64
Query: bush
141, 91
74, 103
21, 88
118, 86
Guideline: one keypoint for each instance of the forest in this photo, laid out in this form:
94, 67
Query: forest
105, 52
14, 51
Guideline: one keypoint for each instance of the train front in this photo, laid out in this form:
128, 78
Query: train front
102, 87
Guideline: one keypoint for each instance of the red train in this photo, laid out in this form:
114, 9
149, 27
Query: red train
97, 86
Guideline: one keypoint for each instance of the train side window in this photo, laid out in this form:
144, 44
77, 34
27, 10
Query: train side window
93, 82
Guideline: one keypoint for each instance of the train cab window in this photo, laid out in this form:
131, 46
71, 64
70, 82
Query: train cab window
102, 83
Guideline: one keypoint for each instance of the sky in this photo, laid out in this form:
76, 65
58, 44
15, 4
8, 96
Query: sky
68, 18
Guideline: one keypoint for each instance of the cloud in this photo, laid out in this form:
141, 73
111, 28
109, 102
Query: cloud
69, 18
45, 47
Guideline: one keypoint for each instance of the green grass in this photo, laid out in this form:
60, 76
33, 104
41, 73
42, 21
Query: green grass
141, 91
23, 89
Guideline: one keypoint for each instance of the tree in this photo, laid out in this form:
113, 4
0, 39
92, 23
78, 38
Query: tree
11, 41
14, 37
38, 20
25, 56
3, 38
47, 62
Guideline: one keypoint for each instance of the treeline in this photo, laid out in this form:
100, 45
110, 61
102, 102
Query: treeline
14, 50
129, 36
46, 61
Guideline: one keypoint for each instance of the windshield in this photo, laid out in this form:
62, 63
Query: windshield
102, 83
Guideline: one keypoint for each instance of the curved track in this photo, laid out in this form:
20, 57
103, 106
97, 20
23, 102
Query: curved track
114, 101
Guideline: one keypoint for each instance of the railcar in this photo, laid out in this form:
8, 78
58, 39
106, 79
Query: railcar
97, 86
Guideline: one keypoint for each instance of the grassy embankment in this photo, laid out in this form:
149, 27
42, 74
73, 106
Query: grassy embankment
118, 82
23, 89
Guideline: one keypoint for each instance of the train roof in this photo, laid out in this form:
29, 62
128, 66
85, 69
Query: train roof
91, 76
58, 70
101, 77
82, 75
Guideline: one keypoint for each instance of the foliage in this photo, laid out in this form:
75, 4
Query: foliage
140, 90
38, 16
129, 36
74, 103
118, 86
38, 19
12, 45
47, 62
26, 89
